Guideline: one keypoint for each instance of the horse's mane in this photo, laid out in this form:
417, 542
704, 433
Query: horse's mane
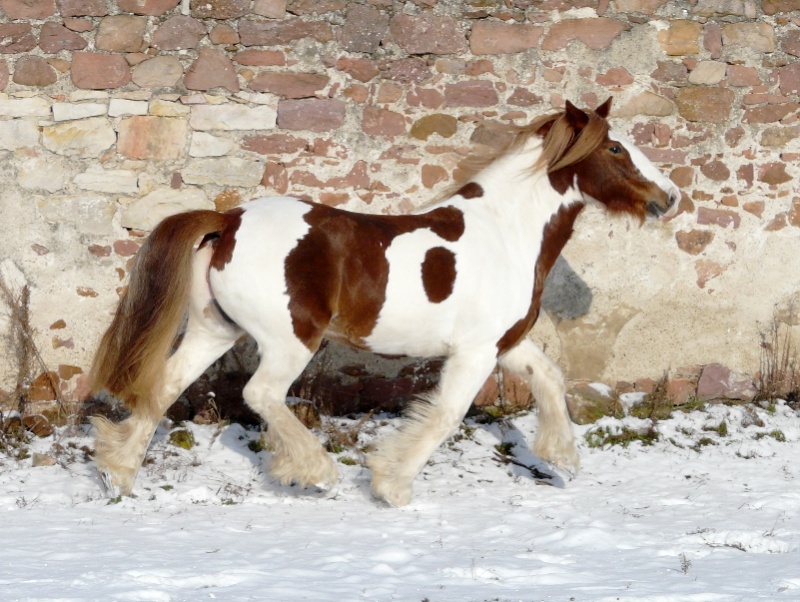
560, 146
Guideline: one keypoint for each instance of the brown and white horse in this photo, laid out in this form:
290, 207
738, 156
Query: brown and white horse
463, 279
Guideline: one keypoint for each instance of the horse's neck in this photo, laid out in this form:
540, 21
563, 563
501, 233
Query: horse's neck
522, 200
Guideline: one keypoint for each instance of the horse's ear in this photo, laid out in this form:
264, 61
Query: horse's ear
604, 109
576, 118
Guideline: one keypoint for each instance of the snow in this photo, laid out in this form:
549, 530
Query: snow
698, 516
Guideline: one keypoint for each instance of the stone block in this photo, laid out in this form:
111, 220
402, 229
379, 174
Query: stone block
280, 33
118, 107
157, 72
18, 133
597, 33
42, 173
489, 37
152, 138
81, 137
54, 38
681, 38
757, 37
212, 69
85, 213
316, 115
67, 111
382, 122
178, 32
427, 33
121, 33
363, 29
229, 117
219, 9
711, 105
289, 85
229, 171
146, 212
98, 179
94, 71
207, 145
719, 382
31, 9
707, 73
153, 8
477, 93
16, 38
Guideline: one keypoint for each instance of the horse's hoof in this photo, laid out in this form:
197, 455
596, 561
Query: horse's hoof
111, 488
393, 494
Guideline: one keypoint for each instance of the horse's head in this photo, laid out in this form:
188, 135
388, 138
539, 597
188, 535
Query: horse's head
583, 152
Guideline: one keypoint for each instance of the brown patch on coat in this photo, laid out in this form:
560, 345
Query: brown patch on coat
439, 274
225, 243
337, 274
556, 234
472, 190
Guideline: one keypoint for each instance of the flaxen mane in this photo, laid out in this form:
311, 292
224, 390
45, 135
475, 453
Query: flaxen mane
560, 147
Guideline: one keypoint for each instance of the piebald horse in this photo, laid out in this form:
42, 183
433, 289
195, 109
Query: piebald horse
462, 278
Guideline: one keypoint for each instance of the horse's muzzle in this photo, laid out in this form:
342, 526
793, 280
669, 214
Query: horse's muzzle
664, 209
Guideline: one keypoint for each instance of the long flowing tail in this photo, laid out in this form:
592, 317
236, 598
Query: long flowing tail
130, 360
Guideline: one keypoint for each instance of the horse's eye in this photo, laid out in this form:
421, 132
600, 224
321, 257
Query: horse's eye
615, 150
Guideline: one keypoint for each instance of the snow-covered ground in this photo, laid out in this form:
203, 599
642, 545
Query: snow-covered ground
699, 516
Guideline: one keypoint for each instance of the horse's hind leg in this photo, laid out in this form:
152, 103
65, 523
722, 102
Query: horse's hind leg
120, 448
554, 441
297, 455
402, 455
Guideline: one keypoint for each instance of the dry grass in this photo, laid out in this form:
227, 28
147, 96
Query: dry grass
779, 376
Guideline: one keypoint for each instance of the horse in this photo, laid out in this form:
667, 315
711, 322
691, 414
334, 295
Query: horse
461, 278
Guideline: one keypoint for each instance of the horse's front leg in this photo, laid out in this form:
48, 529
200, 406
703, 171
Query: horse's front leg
401, 456
554, 441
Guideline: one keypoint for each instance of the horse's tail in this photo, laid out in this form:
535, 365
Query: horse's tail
130, 360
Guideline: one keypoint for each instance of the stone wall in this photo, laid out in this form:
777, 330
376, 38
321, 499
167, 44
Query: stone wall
115, 113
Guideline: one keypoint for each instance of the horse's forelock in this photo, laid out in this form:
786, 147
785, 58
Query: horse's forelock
562, 147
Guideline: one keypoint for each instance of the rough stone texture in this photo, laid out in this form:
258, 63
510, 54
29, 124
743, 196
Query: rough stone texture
694, 241
95, 71
33, 71
595, 33
35, 9
383, 122
232, 117
758, 37
82, 8
146, 212
219, 9
178, 32
225, 172
54, 37
269, 33
363, 29
16, 38
719, 382
82, 138
289, 85
147, 7
121, 33
427, 34
311, 114
158, 72
212, 69
156, 138
681, 38
438, 123
503, 38
471, 94
711, 105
